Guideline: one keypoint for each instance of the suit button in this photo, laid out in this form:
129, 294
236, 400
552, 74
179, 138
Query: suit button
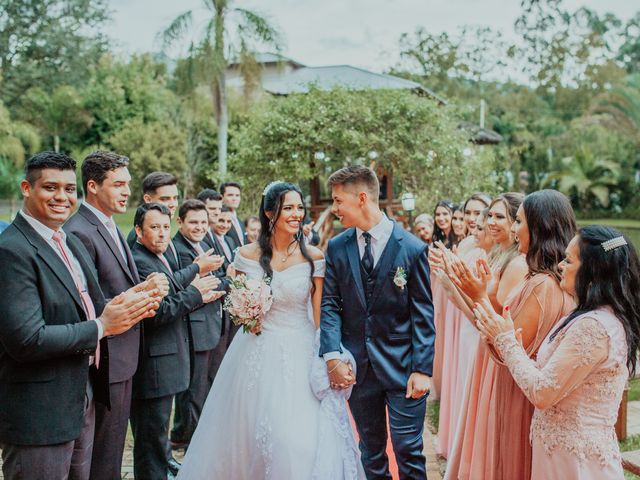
367, 339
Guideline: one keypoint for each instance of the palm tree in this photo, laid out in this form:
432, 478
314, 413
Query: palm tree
585, 178
230, 33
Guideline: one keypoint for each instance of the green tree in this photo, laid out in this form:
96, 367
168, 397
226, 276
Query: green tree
47, 43
230, 33
56, 114
151, 146
302, 136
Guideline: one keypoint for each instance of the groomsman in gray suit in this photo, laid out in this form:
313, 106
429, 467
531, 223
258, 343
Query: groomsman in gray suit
52, 317
105, 179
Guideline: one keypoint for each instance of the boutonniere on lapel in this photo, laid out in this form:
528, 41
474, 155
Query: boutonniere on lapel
400, 278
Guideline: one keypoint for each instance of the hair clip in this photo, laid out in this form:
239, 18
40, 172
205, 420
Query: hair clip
613, 244
268, 187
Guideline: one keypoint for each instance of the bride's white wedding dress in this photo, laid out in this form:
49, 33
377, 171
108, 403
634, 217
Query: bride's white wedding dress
262, 419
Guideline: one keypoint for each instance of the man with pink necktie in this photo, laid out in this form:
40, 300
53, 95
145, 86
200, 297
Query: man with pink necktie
231, 196
52, 317
105, 179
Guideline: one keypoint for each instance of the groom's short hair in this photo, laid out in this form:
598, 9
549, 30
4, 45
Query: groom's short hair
357, 176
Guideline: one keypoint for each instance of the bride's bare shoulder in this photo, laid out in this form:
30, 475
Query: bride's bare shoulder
251, 251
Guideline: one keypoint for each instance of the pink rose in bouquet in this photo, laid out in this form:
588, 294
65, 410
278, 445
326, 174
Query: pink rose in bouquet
247, 302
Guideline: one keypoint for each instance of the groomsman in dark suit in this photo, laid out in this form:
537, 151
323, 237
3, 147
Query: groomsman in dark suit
105, 178
206, 325
162, 187
164, 367
231, 196
52, 317
224, 242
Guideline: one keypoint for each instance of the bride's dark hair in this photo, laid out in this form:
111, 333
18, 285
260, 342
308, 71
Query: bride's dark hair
272, 202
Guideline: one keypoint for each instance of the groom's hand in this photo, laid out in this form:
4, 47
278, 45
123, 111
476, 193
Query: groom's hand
340, 374
418, 385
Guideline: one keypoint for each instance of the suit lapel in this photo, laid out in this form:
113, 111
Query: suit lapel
107, 238
50, 258
130, 260
354, 262
93, 287
386, 260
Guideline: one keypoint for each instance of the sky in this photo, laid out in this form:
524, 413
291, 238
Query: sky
362, 33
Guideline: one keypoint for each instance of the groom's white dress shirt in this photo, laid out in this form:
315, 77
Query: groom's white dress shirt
380, 235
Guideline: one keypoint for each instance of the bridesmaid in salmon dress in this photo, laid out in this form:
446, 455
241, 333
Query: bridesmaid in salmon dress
469, 447
543, 226
460, 337
577, 381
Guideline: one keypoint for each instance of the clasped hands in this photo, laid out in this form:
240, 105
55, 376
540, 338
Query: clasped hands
207, 287
137, 303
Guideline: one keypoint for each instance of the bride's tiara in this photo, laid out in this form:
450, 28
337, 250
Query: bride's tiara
613, 243
268, 187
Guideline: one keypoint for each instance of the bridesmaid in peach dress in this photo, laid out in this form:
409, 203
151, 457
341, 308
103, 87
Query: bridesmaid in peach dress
577, 381
544, 225
442, 232
468, 452
460, 337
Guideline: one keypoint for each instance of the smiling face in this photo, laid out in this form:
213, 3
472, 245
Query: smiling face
223, 224
424, 231
155, 233
52, 197
457, 223
483, 239
195, 225
442, 217
112, 195
291, 213
347, 204
472, 210
569, 266
214, 207
520, 229
166, 195
499, 224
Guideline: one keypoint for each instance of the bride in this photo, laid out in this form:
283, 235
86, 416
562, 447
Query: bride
264, 418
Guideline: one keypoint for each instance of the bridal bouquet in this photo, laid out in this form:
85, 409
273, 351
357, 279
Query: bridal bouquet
247, 302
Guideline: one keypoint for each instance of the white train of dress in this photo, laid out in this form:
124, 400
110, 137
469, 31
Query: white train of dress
261, 420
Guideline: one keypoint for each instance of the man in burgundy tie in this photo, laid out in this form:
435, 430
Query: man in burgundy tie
105, 178
206, 325
52, 316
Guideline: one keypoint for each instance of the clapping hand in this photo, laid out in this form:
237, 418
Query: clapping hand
436, 258
212, 296
158, 281
472, 284
208, 262
127, 309
340, 374
489, 322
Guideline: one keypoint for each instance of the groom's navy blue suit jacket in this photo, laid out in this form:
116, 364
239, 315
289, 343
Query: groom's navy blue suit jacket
392, 331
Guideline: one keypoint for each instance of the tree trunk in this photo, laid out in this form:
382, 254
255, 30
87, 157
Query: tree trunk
220, 97
56, 143
223, 127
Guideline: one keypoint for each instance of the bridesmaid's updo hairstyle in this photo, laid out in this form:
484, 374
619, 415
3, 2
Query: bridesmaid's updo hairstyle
272, 202
609, 277
552, 225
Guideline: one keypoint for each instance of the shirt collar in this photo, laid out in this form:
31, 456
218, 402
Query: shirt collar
383, 227
44, 231
101, 216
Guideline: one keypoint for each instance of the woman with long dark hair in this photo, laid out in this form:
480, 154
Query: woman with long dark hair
442, 230
262, 419
577, 381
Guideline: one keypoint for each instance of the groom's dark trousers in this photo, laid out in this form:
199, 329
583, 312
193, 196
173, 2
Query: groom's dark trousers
389, 330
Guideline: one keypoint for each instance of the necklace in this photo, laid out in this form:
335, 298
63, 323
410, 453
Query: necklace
286, 256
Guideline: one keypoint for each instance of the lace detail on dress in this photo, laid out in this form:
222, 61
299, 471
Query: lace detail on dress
254, 361
576, 386
265, 444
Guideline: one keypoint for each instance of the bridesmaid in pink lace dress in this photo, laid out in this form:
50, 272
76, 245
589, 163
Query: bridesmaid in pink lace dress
577, 381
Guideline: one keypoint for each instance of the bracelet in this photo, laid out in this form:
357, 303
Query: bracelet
334, 368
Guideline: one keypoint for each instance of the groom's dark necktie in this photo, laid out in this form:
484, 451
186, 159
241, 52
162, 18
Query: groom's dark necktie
367, 258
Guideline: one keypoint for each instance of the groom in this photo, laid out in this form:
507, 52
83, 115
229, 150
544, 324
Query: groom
377, 303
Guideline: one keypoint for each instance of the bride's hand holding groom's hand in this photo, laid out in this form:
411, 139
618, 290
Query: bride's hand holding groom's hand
340, 374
